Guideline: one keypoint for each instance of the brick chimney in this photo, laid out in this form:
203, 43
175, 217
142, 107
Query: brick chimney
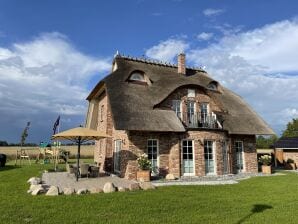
181, 64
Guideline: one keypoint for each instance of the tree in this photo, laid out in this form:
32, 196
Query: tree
292, 129
266, 142
25, 134
3, 143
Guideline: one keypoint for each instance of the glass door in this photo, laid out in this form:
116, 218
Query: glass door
191, 113
187, 158
239, 156
209, 157
152, 150
117, 156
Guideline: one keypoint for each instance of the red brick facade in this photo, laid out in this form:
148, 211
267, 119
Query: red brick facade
134, 143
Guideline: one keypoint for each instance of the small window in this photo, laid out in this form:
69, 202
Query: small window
137, 76
212, 86
191, 93
176, 106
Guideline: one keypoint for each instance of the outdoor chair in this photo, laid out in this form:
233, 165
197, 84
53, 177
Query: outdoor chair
84, 170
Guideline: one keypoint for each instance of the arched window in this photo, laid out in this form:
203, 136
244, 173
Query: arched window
137, 76
212, 86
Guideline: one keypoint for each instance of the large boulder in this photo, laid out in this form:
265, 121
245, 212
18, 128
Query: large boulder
95, 190
82, 191
53, 191
68, 191
134, 187
109, 188
38, 190
170, 176
121, 189
33, 187
147, 186
34, 181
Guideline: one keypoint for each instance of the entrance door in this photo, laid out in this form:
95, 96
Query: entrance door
225, 158
117, 156
152, 150
187, 158
239, 156
209, 157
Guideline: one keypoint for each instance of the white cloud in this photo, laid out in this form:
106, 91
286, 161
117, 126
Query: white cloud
167, 50
204, 36
213, 12
42, 78
243, 61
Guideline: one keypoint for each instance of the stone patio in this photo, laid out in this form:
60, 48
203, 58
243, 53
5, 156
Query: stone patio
66, 180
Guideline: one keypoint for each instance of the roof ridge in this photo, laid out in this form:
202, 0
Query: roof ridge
155, 62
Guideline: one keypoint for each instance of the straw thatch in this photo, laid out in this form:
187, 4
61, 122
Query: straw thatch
133, 106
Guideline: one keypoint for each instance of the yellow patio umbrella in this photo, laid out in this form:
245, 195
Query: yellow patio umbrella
80, 135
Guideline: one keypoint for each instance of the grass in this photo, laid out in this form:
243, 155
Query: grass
256, 200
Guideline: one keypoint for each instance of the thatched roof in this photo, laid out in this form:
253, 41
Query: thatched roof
134, 106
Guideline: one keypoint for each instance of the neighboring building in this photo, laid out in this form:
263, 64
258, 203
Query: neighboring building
286, 148
185, 121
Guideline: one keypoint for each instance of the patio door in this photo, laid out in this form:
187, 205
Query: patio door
191, 113
209, 157
117, 156
187, 158
239, 156
152, 150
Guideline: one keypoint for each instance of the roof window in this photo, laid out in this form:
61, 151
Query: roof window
137, 76
212, 86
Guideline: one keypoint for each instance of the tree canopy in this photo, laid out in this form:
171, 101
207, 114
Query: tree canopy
292, 129
266, 142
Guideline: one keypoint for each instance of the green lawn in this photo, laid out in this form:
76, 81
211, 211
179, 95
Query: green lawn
256, 200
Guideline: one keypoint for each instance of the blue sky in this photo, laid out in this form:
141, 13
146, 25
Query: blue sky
53, 52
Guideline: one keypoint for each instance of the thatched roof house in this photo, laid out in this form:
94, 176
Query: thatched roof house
139, 95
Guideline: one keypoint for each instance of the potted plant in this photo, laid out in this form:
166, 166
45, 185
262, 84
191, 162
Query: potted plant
143, 174
291, 164
265, 160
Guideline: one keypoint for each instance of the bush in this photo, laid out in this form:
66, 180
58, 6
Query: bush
290, 161
265, 160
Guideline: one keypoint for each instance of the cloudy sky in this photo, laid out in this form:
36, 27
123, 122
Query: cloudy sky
52, 53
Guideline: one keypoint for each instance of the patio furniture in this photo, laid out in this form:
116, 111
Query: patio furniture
94, 171
84, 170
70, 168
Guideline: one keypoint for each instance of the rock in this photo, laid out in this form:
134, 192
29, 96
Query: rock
34, 180
53, 191
82, 191
109, 187
147, 186
33, 187
68, 191
170, 176
113, 175
38, 190
134, 187
121, 189
95, 190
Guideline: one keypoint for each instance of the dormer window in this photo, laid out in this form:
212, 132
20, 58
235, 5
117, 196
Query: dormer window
137, 76
212, 86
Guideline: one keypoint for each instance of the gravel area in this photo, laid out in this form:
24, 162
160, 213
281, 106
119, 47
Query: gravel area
64, 179
210, 180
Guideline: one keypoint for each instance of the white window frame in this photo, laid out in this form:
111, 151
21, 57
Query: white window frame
191, 93
213, 155
157, 153
175, 109
115, 145
243, 156
193, 158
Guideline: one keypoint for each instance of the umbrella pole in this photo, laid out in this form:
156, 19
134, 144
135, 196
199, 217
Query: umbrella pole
78, 157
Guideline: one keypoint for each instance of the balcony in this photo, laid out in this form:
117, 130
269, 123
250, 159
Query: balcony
199, 120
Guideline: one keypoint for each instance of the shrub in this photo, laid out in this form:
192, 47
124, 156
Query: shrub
265, 160
290, 161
